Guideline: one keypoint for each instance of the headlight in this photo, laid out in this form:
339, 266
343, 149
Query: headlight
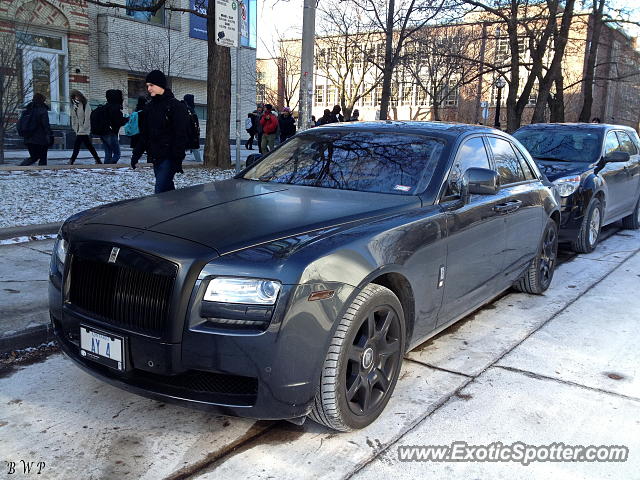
567, 185
242, 290
60, 250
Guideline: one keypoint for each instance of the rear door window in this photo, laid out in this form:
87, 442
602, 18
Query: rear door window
507, 163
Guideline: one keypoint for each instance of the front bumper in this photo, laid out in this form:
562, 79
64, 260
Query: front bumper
271, 374
572, 212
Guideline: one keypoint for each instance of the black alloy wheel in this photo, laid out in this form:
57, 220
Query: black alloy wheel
363, 362
537, 278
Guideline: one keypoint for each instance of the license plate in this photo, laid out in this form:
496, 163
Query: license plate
102, 347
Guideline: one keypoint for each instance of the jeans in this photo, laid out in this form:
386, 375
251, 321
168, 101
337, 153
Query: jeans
268, 142
196, 155
111, 148
164, 172
86, 141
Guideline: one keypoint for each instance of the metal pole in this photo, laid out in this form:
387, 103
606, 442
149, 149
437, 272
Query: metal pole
306, 69
238, 75
496, 122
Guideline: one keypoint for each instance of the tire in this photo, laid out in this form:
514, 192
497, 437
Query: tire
632, 222
362, 365
589, 232
538, 276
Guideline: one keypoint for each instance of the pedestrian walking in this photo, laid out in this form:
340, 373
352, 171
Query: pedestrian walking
81, 125
258, 113
355, 116
251, 127
193, 141
287, 124
34, 127
269, 123
336, 116
106, 121
325, 118
163, 132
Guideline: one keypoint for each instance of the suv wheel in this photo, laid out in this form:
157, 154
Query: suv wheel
538, 276
363, 362
632, 222
590, 229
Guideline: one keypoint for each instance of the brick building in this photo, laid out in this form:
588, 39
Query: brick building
73, 44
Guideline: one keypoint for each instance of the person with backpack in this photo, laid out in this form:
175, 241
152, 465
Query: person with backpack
269, 122
106, 121
287, 124
132, 128
194, 127
34, 127
81, 124
250, 125
163, 132
258, 114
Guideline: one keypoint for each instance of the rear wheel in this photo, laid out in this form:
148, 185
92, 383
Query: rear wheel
363, 362
538, 276
589, 232
632, 222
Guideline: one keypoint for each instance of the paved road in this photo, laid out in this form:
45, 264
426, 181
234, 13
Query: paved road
558, 368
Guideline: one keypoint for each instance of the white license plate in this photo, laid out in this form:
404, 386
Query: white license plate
102, 347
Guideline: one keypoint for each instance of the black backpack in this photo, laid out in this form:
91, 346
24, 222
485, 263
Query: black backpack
100, 124
28, 122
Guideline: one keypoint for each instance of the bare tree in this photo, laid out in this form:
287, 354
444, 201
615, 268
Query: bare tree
346, 53
439, 61
12, 88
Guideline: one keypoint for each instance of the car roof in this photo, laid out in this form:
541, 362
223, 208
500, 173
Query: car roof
573, 126
439, 129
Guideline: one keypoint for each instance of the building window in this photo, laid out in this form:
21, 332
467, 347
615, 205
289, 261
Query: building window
156, 18
319, 95
378, 94
450, 95
407, 94
332, 92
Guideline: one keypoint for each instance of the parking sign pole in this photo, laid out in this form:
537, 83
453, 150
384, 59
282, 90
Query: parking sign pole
238, 89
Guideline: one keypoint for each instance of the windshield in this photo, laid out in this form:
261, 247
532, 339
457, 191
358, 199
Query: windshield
563, 145
364, 161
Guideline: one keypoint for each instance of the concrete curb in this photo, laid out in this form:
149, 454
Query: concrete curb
30, 337
29, 230
66, 166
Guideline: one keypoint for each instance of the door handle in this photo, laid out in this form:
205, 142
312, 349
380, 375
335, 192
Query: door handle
507, 207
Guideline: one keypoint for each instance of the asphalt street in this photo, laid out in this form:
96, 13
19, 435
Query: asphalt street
562, 367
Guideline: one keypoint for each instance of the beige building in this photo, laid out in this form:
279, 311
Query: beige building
73, 44
337, 74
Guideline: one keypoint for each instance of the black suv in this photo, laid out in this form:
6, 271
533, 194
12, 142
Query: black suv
596, 170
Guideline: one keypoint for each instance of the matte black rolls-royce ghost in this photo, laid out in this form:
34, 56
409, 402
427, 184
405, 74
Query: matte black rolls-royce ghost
295, 288
596, 169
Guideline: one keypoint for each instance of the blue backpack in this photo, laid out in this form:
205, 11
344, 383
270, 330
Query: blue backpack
132, 128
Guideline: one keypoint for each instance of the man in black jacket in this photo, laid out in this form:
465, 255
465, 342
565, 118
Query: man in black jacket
34, 127
110, 140
163, 132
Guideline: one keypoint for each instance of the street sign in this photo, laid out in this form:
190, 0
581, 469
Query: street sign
227, 23
485, 110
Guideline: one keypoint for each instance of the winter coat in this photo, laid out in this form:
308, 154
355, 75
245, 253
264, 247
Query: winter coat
40, 135
192, 143
269, 123
163, 130
287, 126
81, 118
114, 111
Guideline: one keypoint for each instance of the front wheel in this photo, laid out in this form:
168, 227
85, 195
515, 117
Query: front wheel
363, 362
538, 276
589, 232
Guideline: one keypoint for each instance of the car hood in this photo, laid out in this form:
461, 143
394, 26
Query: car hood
233, 214
554, 170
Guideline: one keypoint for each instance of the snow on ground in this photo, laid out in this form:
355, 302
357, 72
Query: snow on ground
46, 196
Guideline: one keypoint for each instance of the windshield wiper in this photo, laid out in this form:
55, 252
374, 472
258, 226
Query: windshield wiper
551, 159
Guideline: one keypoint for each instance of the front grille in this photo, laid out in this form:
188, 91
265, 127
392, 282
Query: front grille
122, 296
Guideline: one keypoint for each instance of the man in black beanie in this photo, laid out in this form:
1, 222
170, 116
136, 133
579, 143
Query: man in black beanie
163, 132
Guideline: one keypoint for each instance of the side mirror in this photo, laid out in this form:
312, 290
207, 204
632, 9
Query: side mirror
615, 157
479, 181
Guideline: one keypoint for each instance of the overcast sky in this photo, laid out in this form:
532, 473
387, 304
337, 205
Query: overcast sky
284, 17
